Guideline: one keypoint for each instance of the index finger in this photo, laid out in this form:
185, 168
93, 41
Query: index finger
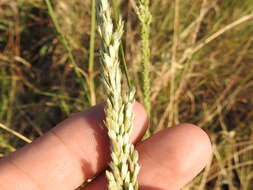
69, 154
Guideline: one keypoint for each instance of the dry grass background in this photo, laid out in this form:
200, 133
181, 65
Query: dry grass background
202, 74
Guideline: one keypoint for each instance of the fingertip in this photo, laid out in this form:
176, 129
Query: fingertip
198, 136
198, 142
177, 155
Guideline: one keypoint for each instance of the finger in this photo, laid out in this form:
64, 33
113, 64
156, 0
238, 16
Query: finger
72, 152
169, 159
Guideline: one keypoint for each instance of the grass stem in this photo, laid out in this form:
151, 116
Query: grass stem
145, 21
91, 50
172, 106
68, 49
20, 136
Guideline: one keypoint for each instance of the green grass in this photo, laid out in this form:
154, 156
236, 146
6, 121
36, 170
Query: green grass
205, 42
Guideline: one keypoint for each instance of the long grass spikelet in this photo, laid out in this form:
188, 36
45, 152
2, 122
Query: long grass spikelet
145, 18
119, 109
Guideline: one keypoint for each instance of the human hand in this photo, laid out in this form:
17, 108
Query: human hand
78, 149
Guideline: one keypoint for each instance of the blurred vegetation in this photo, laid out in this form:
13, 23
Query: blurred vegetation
212, 74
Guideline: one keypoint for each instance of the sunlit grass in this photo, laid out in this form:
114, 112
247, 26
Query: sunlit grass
201, 69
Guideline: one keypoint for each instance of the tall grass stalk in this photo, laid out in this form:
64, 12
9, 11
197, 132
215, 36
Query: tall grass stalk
68, 49
91, 56
145, 21
15, 133
172, 104
188, 54
119, 109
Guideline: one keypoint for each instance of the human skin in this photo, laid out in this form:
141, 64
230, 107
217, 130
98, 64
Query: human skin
78, 149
